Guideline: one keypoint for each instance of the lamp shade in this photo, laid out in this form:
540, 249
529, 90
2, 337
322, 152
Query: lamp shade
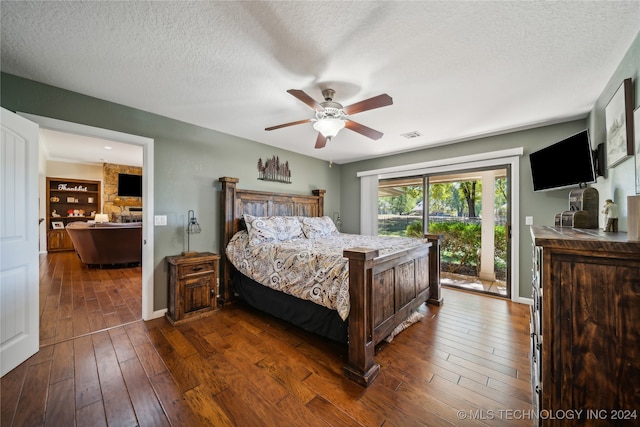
102, 217
192, 228
192, 225
329, 126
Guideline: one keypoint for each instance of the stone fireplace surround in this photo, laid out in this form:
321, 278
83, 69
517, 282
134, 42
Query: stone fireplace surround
113, 205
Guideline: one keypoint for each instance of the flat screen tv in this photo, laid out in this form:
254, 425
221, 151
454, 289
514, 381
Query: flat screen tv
129, 185
567, 163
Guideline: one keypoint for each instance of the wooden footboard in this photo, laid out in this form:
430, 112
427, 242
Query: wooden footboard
383, 292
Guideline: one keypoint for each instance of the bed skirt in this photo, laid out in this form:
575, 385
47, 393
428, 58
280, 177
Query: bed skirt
305, 314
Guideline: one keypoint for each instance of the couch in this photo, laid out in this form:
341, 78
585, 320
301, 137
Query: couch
107, 244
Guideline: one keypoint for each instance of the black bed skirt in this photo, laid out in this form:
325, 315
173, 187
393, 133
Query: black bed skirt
305, 314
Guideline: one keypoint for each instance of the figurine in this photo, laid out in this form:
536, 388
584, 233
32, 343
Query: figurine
55, 214
611, 212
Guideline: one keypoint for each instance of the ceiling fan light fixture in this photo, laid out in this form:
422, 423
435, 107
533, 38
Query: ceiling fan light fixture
328, 127
331, 116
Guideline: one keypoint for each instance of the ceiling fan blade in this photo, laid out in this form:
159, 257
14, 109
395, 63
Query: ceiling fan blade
302, 96
369, 104
364, 130
284, 125
321, 141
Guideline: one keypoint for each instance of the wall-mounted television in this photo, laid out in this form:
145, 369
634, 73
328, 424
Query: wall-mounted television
567, 163
129, 185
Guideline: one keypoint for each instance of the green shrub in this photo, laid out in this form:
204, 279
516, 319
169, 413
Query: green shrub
414, 229
500, 255
460, 248
462, 242
460, 245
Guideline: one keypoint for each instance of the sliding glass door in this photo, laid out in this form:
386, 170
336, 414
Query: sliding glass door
400, 210
469, 208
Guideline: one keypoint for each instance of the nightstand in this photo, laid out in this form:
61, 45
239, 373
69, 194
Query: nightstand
192, 286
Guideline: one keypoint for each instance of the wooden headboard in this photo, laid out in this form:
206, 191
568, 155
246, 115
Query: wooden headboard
236, 202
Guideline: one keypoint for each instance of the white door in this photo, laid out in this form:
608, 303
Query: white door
19, 305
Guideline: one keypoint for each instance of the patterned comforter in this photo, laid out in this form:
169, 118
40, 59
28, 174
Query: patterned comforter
311, 269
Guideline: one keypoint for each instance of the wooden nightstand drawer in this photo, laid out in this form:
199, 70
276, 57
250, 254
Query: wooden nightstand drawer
201, 268
192, 286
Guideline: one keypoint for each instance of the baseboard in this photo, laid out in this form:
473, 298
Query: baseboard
521, 300
157, 313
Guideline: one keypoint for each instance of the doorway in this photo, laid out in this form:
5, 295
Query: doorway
147, 144
470, 209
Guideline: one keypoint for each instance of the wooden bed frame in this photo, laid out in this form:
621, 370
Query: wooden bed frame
383, 290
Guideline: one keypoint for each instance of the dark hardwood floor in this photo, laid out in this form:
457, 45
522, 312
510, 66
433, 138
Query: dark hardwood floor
76, 300
464, 364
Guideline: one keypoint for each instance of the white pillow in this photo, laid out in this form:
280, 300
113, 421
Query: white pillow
272, 229
314, 227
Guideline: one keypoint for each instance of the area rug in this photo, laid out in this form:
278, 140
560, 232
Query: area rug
413, 318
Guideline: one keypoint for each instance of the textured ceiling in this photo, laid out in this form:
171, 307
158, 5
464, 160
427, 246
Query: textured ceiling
455, 70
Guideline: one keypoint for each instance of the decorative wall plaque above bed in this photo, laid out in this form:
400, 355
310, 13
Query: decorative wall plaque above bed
273, 170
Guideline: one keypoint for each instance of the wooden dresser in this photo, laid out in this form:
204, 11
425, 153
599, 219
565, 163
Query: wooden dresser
585, 327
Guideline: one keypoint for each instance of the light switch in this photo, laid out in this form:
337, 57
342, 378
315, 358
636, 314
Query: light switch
160, 220
528, 220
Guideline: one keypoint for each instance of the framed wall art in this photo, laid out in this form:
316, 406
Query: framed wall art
636, 127
274, 170
619, 120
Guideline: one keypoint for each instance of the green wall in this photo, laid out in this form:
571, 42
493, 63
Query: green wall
619, 182
188, 162
542, 206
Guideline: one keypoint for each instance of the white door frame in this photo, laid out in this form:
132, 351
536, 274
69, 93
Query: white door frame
148, 312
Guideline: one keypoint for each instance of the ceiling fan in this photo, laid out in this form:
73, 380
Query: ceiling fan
331, 116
